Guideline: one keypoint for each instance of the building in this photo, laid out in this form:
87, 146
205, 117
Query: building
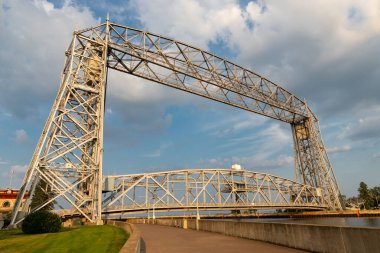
8, 199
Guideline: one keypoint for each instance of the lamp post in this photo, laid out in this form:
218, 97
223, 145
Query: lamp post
154, 202
198, 216
196, 194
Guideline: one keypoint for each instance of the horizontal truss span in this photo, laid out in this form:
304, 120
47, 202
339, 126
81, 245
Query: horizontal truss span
206, 189
185, 67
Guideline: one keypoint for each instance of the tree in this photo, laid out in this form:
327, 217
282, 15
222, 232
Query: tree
41, 195
365, 195
375, 193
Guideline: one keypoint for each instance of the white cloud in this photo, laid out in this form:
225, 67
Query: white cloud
326, 52
233, 123
2, 161
192, 21
365, 128
38, 33
34, 36
320, 50
257, 26
253, 162
264, 148
265, 34
263, 143
134, 90
21, 136
267, 149
376, 155
16, 172
345, 148
19, 169
141, 103
159, 151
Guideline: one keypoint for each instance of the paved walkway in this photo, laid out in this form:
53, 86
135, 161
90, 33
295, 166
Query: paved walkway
159, 239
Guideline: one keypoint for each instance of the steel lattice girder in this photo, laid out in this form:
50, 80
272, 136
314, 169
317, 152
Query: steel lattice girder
207, 189
69, 155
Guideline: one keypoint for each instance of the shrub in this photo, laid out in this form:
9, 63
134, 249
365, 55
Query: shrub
7, 220
41, 222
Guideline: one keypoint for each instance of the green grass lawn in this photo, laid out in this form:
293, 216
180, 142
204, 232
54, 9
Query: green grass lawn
83, 239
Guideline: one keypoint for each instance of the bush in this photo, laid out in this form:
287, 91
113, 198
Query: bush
41, 222
7, 220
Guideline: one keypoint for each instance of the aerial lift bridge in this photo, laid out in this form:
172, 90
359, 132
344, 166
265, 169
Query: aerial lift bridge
69, 153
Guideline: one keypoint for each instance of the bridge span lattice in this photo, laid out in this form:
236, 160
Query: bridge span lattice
206, 189
69, 153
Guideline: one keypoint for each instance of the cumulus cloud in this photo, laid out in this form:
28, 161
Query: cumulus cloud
323, 51
323, 58
366, 128
34, 36
196, 22
326, 52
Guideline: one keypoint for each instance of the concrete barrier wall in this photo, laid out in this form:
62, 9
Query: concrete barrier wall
315, 238
133, 244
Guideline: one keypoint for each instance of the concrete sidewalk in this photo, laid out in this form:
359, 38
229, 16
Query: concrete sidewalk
160, 239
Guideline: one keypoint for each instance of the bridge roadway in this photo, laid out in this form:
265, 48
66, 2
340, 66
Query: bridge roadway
159, 239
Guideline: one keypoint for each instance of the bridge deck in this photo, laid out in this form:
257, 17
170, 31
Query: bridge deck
159, 239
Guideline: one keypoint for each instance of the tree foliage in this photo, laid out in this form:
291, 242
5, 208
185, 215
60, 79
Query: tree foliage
368, 198
41, 195
365, 195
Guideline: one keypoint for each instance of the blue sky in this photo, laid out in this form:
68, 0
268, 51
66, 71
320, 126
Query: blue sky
323, 51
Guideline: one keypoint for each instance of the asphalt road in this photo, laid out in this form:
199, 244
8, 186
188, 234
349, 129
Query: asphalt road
160, 239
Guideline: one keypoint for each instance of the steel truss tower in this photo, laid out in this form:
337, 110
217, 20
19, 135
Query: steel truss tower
68, 156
